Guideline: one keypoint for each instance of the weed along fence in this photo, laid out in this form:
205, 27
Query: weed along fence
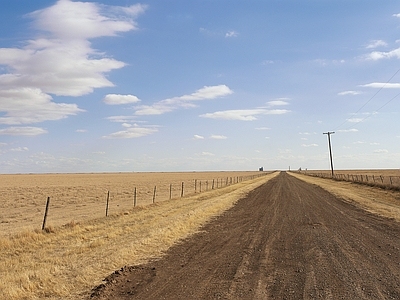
125, 197
383, 181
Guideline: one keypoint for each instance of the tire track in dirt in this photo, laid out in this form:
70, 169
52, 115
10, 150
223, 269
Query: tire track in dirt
286, 240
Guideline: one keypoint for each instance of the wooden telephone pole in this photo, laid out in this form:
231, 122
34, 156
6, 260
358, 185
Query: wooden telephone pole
330, 148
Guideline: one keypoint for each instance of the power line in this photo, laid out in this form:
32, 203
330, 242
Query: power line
373, 112
370, 99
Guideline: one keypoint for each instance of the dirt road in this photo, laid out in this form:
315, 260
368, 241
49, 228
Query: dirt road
286, 240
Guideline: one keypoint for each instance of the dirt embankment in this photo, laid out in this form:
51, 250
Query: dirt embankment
286, 240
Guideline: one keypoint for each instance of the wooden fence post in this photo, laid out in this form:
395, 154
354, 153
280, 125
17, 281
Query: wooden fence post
45, 213
154, 194
182, 190
213, 184
170, 191
195, 186
134, 198
108, 199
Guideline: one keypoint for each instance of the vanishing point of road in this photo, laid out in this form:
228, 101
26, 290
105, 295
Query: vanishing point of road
287, 239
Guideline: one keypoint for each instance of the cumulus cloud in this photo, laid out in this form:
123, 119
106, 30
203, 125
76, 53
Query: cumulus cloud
218, 137
355, 120
243, 114
205, 153
19, 149
114, 99
381, 151
61, 61
135, 131
31, 105
27, 131
377, 55
262, 128
84, 20
121, 119
231, 33
385, 85
278, 102
198, 137
348, 130
376, 43
349, 93
185, 101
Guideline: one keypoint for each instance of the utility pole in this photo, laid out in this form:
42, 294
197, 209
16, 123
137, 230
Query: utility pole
330, 149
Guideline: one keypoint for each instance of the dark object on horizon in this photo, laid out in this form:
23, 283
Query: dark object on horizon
261, 169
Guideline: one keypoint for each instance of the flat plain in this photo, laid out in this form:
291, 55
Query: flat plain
78, 197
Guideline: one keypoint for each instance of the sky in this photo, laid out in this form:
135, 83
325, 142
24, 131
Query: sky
200, 85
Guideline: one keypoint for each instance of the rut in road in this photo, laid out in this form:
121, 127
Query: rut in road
286, 240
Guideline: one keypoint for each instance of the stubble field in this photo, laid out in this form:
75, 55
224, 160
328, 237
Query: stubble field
78, 197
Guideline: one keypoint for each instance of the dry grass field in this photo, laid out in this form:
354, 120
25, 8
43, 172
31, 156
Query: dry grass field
70, 260
386, 178
78, 197
376, 172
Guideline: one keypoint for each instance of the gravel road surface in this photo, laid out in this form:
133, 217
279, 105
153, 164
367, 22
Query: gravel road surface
286, 240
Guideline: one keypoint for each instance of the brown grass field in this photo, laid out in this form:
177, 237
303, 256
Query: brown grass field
376, 172
68, 261
78, 197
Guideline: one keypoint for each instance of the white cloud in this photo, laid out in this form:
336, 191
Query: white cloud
19, 149
377, 55
99, 152
114, 99
132, 132
198, 137
81, 130
349, 93
348, 130
218, 137
262, 128
185, 101
376, 43
84, 20
309, 145
267, 62
231, 33
31, 105
28, 131
396, 15
278, 102
355, 120
121, 119
307, 133
60, 62
384, 85
243, 114
381, 151
126, 125
204, 153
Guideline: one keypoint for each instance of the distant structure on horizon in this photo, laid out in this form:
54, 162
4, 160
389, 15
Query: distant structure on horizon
261, 169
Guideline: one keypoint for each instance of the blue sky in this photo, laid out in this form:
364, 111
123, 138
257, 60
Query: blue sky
104, 86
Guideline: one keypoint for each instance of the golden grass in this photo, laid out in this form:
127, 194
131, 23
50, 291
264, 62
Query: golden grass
382, 202
70, 260
79, 197
369, 172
